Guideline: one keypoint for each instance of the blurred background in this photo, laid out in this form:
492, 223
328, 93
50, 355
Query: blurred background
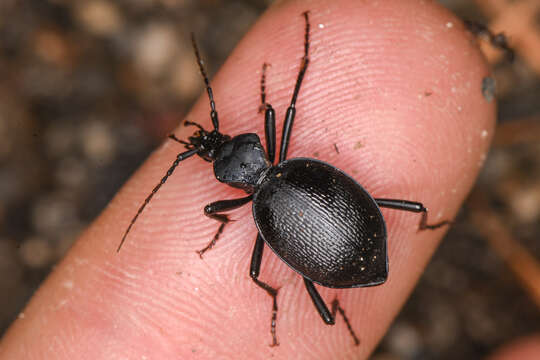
89, 88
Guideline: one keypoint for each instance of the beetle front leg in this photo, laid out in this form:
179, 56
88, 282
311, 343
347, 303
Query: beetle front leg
254, 270
215, 211
413, 207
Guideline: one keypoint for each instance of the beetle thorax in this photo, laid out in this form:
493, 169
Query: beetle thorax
241, 161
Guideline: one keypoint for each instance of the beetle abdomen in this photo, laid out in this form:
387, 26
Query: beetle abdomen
322, 223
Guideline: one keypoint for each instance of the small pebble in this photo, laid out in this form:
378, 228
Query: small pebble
98, 142
156, 48
99, 17
36, 252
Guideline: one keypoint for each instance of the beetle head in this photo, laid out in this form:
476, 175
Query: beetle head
207, 143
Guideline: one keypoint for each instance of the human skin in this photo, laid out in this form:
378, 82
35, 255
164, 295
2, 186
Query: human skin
395, 85
523, 348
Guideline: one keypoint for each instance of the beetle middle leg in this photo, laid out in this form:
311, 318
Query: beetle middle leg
412, 206
327, 316
215, 211
254, 270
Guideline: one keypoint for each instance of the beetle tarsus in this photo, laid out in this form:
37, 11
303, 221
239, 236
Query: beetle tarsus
213, 241
273, 293
335, 308
254, 269
412, 206
425, 226
215, 211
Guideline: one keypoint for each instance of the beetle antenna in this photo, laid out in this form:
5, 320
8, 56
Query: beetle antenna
213, 112
305, 61
180, 157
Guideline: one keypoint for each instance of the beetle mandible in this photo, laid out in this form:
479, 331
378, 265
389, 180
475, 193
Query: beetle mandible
316, 218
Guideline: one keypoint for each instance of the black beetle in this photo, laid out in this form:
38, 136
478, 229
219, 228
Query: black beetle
317, 219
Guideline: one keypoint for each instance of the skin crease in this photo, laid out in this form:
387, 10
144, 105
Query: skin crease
395, 85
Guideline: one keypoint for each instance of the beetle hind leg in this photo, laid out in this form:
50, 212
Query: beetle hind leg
335, 308
412, 206
329, 317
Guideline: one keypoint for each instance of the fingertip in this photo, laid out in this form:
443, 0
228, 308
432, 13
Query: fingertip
522, 348
394, 85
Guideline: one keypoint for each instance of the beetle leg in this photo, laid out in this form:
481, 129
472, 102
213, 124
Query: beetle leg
214, 211
254, 269
327, 316
291, 110
319, 303
335, 308
414, 207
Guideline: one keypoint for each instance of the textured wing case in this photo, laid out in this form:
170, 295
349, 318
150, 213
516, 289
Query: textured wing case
322, 223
